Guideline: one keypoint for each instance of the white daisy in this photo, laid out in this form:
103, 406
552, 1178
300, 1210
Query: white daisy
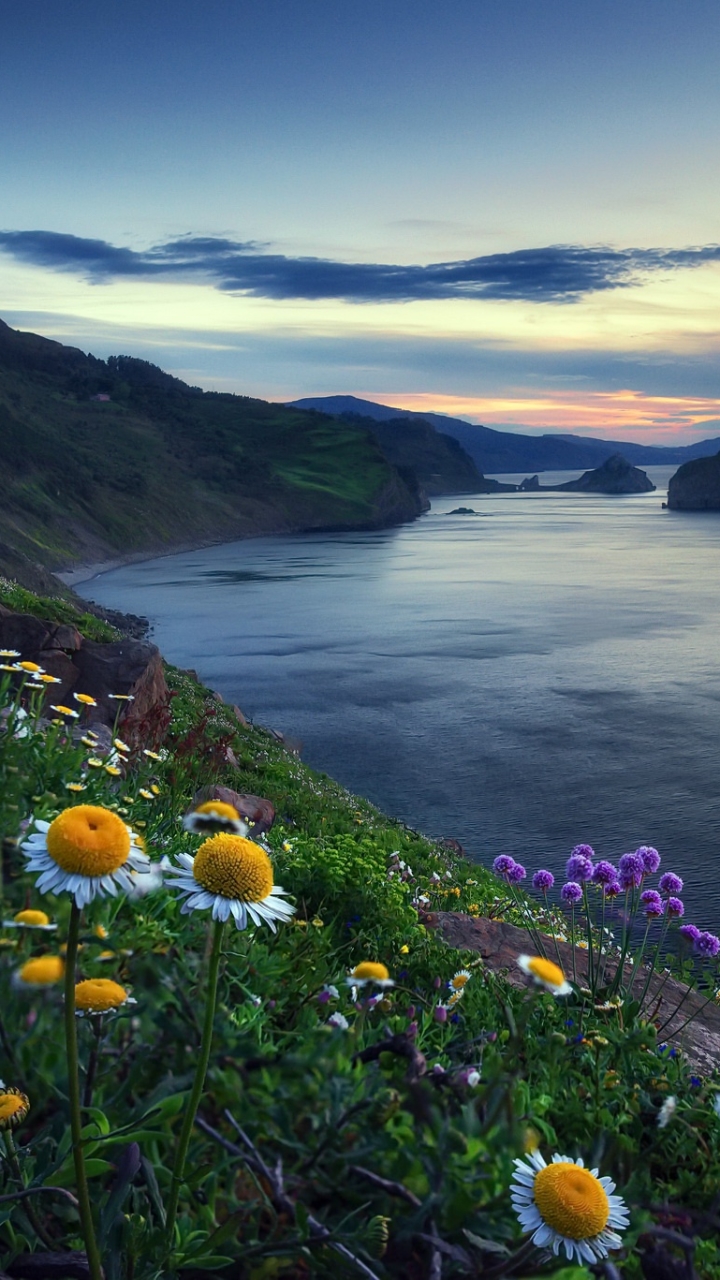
30, 919
231, 876
369, 971
565, 1204
86, 851
95, 996
213, 816
545, 974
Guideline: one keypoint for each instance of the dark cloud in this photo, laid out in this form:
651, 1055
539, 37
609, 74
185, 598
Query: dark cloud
558, 273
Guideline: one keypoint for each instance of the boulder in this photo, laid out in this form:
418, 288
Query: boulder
615, 476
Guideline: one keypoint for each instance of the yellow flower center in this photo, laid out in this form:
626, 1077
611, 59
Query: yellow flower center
97, 995
85, 698
43, 971
88, 841
219, 809
29, 666
31, 917
233, 867
14, 1106
368, 970
571, 1200
546, 971
458, 982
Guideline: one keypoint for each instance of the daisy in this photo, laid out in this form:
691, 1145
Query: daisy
32, 668
14, 1106
65, 711
458, 981
215, 816
29, 919
86, 851
231, 876
546, 974
565, 1204
370, 971
41, 971
9, 653
100, 995
85, 699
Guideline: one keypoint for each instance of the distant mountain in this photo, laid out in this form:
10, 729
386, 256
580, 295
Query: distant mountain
495, 452
108, 457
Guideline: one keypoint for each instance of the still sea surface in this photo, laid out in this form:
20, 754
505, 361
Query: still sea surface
540, 673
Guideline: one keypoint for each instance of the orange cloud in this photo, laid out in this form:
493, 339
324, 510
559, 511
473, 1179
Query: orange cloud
635, 415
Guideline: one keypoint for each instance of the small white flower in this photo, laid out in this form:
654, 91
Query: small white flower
338, 1020
546, 974
666, 1112
563, 1204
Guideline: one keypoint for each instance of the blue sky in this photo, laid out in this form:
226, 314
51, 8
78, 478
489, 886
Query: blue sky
477, 208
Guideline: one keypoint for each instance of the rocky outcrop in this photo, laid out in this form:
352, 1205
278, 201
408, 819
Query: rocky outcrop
129, 667
615, 476
696, 486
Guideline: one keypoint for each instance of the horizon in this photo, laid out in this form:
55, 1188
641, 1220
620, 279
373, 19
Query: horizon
507, 216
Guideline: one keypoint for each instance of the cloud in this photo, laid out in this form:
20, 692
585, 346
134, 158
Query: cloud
558, 273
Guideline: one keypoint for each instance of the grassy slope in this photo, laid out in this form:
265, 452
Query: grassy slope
162, 464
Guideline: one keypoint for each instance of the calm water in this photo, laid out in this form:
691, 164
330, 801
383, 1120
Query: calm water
541, 673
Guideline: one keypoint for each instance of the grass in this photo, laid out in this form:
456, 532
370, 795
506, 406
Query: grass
381, 1148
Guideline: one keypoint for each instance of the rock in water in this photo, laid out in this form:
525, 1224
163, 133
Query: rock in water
696, 486
615, 476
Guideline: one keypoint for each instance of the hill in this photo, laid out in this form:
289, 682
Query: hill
496, 452
696, 486
439, 461
102, 458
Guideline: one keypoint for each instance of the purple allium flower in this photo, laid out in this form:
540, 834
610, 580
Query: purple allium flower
579, 864
675, 907
516, 873
690, 931
670, 883
503, 864
707, 944
543, 880
440, 1013
652, 903
631, 871
650, 858
571, 893
604, 873
612, 889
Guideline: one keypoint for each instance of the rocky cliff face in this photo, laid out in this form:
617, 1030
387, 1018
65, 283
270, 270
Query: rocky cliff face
696, 486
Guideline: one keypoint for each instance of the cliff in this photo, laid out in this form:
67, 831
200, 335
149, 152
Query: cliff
106, 458
615, 476
696, 486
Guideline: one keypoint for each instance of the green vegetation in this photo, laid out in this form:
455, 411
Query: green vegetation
54, 609
337, 1135
156, 463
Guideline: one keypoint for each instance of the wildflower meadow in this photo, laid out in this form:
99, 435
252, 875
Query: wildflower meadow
246, 1049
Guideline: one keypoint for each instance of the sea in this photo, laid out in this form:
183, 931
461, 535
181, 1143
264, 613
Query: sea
539, 673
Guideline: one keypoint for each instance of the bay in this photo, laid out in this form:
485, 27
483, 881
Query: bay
540, 673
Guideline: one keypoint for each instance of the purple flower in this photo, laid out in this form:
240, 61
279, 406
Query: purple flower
690, 931
543, 880
675, 907
631, 871
604, 873
440, 1013
612, 889
579, 864
707, 944
503, 864
650, 858
516, 873
571, 893
652, 903
695, 1082
670, 883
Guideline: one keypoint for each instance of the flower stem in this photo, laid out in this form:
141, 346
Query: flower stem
198, 1083
31, 1215
86, 1220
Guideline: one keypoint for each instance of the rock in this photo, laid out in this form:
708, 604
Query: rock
126, 666
241, 719
529, 484
500, 944
696, 486
462, 511
615, 476
259, 812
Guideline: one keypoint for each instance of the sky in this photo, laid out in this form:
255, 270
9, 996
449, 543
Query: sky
508, 212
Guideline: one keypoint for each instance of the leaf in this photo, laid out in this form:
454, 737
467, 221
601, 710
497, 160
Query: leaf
151, 1183
127, 1166
94, 1168
487, 1246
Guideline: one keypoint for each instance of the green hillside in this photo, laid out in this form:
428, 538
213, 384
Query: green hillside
159, 463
